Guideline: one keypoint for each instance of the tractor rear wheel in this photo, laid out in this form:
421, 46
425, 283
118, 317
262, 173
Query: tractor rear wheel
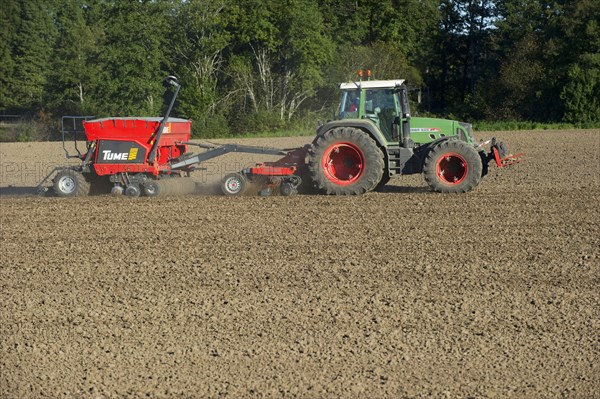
452, 166
345, 161
70, 183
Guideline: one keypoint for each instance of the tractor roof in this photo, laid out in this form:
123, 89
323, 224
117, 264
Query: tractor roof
372, 84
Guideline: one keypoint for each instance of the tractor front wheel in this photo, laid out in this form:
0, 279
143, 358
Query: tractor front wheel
70, 183
345, 161
452, 166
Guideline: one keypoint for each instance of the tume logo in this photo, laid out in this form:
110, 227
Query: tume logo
108, 155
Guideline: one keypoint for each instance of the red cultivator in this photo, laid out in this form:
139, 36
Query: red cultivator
502, 158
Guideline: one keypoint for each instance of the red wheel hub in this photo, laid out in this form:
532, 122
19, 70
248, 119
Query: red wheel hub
452, 169
343, 163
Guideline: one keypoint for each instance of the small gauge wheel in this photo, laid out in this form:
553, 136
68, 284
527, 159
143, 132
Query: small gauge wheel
234, 184
132, 191
287, 189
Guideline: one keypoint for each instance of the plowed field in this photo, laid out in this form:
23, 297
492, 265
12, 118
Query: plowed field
402, 293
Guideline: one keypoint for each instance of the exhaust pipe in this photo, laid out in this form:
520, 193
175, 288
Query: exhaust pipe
406, 140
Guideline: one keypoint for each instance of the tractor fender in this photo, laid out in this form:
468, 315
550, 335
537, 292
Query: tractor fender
435, 142
422, 150
425, 148
362, 124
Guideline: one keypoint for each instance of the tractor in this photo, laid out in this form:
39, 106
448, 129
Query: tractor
374, 137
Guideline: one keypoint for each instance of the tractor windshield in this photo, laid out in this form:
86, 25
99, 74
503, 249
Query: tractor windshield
380, 105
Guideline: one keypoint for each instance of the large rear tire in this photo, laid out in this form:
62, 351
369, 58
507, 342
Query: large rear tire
70, 183
452, 166
345, 161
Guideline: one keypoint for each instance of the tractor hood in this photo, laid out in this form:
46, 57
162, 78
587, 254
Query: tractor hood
426, 130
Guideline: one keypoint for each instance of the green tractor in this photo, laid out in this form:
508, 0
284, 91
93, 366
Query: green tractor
374, 138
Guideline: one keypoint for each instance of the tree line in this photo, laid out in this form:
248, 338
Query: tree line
256, 65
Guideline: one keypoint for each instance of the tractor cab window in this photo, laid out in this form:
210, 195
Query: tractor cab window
381, 106
350, 104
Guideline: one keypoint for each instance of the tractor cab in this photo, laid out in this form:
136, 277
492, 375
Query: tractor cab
379, 101
385, 104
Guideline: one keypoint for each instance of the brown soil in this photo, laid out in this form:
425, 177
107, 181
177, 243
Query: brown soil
404, 293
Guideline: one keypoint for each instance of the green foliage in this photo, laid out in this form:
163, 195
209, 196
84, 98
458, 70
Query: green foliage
251, 66
262, 120
277, 67
518, 90
385, 60
210, 126
9, 25
29, 36
582, 94
131, 57
543, 46
73, 74
491, 126
197, 59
